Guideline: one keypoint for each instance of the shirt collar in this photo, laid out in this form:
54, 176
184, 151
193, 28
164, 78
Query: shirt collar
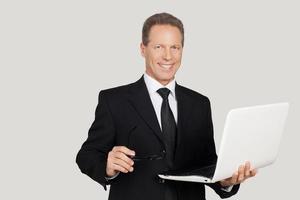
153, 85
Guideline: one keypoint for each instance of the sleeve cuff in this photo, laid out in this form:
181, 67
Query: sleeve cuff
112, 177
227, 189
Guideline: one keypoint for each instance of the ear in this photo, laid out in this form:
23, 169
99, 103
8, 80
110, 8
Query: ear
142, 49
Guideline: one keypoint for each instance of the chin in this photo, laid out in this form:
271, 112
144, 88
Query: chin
166, 79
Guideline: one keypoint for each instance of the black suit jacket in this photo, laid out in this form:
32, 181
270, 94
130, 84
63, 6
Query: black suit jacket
125, 117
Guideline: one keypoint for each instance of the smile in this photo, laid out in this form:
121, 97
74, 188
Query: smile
165, 66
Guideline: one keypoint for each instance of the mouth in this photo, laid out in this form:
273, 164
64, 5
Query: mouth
166, 66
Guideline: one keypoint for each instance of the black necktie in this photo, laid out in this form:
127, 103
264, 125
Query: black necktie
168, 125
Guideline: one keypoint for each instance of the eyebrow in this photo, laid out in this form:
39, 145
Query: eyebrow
176, 45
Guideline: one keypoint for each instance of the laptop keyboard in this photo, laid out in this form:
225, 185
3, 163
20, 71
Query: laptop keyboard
207, 171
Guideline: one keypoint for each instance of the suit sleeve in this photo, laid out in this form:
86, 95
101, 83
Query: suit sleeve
92, 156
213, 157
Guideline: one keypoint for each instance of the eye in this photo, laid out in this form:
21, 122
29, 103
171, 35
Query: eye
158, 46
175, 47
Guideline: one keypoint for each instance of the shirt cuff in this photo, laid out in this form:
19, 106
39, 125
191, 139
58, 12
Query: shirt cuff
112, 177
227, 189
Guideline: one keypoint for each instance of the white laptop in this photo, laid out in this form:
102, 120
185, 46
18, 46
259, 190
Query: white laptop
250, 134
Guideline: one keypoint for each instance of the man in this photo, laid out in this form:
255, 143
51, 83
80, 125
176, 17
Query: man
154, 125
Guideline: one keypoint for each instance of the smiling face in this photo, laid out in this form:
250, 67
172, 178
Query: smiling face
163, 52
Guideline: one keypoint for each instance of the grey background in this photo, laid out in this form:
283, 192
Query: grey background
55, 56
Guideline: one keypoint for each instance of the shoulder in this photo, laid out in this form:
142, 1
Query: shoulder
115, 92
193, 94
193, 99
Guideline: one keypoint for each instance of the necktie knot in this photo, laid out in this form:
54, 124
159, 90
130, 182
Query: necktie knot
164, 93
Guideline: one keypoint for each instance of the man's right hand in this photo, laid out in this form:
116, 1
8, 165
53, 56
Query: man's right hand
119, 160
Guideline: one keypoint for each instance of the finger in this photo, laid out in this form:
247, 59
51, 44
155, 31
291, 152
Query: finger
112, 168
241, 173
124, 150
121, 163
234, 178
119, 168
253, 172
113, 159
123, 157
247, 169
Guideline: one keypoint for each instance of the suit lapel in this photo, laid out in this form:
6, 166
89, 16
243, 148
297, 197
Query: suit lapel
140, 100
183, 109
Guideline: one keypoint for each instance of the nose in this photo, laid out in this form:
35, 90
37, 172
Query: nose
167, 54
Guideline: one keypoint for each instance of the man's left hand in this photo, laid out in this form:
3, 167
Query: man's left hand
240, 176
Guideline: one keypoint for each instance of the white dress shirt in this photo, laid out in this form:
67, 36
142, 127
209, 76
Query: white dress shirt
152, 87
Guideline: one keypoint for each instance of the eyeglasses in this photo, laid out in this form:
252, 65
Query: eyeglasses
143, 157
149, 157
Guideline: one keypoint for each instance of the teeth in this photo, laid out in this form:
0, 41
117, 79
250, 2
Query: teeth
166, 66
